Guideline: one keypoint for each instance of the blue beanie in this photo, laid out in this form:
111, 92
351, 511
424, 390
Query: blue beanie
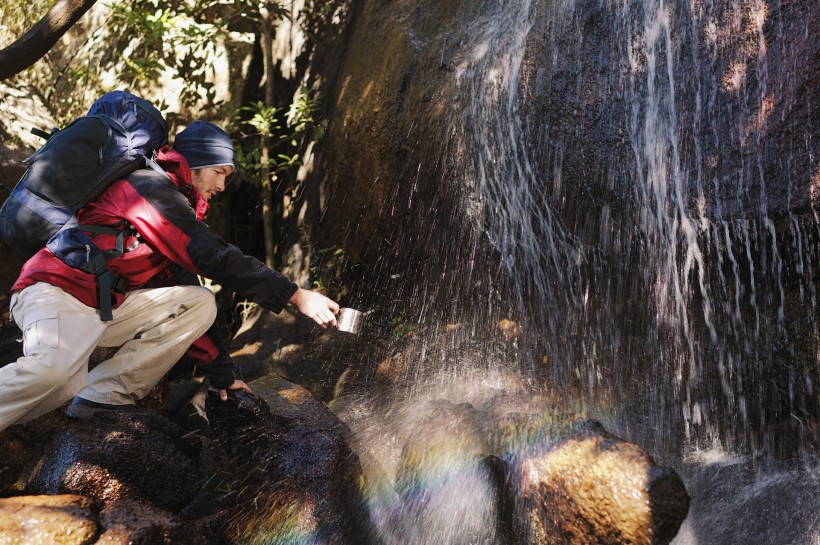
204, 145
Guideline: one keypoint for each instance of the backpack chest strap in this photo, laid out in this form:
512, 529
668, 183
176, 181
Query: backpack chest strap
98, 265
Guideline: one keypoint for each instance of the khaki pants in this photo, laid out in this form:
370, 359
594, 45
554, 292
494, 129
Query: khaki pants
153, 327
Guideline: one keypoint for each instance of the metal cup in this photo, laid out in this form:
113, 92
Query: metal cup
349, 320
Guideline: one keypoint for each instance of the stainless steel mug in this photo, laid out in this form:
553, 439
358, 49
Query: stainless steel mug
349, 320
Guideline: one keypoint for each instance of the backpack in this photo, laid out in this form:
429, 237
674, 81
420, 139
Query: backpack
120, 134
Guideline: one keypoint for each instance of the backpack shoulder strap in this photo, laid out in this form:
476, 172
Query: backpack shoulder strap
98, 264
153, 165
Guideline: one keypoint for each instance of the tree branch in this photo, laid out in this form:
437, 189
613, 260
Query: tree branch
40, 38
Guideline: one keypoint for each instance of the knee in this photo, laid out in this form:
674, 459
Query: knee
204, 304
209, 302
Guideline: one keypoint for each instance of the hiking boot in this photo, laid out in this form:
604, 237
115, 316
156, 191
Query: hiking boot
83, 409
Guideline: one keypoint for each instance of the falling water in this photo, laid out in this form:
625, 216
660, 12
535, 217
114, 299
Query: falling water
508, 202
683, 317
419, 441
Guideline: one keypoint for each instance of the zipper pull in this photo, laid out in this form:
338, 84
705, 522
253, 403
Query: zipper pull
100, 155
87, 253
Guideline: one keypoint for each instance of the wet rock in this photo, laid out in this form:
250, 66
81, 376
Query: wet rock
738, 500
391, 367
138, 455
129, 522
591, 488
509, 328
23, 448
636, 159
537, 479
47, 520
296, 471
252, 470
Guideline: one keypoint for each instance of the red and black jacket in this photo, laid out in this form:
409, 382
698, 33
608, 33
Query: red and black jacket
166, 214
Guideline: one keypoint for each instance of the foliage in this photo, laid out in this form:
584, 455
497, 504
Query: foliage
285, 132
132, 45
158, 38
252, 8
400, 328
17, 16
146, 46
326, 268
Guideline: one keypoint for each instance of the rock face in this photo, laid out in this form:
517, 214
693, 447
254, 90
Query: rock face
640, 181
722, 77
736, 102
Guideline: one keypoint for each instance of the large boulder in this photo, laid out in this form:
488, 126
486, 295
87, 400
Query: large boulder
106, 459
591, 488
541, 479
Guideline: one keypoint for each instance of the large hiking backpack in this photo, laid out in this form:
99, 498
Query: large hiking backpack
119, 135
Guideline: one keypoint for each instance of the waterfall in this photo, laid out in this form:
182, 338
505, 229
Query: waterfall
658, 248
505, 199
710, 306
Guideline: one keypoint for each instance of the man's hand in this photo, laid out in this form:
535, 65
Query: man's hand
315, 306
237, 385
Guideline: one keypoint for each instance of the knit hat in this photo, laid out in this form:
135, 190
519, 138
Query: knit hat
204, 145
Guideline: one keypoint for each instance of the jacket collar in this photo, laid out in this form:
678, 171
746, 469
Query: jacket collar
175, 165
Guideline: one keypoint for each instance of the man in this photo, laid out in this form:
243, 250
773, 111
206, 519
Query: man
148, 226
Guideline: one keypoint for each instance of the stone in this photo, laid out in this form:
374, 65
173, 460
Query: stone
535, 479
591, 488
296, 474
106, 458
130, 522
47, 520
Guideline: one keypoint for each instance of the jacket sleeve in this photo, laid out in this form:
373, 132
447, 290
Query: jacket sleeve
165, 220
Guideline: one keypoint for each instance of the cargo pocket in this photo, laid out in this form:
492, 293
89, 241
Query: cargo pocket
42, 331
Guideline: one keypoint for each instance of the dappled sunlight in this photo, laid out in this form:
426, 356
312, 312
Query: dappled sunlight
289, 42
28, 113
758, 122
558, 214
95, 480
296, 395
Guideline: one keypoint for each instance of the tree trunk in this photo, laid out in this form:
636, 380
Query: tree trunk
267, 190
41, 37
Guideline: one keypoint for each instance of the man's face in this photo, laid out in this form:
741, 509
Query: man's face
211, 180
